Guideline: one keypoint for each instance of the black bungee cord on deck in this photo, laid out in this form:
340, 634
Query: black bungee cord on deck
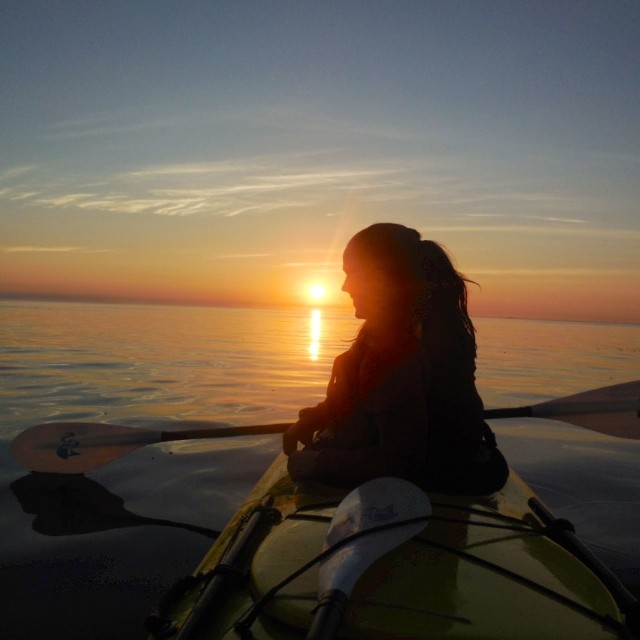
243, 626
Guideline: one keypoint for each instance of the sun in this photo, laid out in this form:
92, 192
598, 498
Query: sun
317, 292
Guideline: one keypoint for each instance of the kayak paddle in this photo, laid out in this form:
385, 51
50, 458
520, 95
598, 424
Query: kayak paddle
78, 447
374, 518
613, 411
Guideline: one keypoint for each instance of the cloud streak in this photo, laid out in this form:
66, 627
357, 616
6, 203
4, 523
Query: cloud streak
242, 256
576, 272
112, 123
218, 189
16, 172
260, 186
521, 229
36, 249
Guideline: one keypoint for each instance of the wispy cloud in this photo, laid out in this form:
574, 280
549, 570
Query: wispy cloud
577, 272
40, 249
194, 168
66, 200
115, 123
283, 181
522, 230
24, 195
216, 188
557, 219
321, 266
242, 256
16, 194
259, 185
484, 215
16, 172
267, 207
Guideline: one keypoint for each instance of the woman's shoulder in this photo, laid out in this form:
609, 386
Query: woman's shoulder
391, 347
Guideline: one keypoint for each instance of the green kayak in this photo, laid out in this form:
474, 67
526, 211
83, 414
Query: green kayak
495, 567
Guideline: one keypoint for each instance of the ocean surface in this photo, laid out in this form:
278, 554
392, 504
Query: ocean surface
87, 557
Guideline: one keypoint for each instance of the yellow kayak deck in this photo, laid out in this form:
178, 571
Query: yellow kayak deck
482, 568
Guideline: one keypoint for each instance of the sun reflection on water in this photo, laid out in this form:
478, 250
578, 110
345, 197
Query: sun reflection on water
315, 331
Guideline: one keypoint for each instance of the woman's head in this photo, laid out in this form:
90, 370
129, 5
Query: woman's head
394, 275
378, 267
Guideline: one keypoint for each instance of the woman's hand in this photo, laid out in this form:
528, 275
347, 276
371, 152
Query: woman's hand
310, 420
298, 432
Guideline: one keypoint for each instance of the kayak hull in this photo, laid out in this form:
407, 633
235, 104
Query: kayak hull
482, 568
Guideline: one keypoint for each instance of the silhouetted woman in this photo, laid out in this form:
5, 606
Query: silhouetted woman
402, 400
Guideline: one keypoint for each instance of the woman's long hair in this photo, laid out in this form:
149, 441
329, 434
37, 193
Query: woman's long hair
446, 316
431, 293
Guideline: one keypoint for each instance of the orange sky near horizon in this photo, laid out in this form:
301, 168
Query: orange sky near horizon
255, 280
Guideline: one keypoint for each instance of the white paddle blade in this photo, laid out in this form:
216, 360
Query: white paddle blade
383, 501
77, 447
614, 410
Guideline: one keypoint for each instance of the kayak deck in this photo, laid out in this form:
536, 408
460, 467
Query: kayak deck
481, 568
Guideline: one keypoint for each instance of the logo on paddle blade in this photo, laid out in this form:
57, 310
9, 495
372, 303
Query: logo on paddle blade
380, 516
65, 450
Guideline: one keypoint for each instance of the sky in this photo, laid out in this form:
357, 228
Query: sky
223, 152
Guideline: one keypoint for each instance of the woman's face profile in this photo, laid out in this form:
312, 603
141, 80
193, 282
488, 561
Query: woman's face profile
369, 287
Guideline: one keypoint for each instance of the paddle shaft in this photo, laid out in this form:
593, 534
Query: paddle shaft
224, 432
510, 412
328, 616
614, 410
280, 427
578, 412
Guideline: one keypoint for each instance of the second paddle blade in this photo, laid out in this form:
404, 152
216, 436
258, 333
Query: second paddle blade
77, 447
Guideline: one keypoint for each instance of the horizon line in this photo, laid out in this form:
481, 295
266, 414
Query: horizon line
125, 301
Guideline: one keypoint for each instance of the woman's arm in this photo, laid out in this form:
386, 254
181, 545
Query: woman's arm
401, 451
310, 420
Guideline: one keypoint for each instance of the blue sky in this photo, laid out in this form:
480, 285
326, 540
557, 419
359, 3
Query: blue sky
225, 151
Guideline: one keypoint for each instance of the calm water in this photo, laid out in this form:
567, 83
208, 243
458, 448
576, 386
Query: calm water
88, 558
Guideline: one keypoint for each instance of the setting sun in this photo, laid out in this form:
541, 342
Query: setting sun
317, 291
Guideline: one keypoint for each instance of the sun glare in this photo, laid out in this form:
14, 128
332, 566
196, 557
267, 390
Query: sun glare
317, 292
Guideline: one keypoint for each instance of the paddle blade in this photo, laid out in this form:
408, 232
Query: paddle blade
77, 447
393, 511
614, 410
383, 501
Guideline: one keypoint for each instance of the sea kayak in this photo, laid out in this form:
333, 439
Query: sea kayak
494, 567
